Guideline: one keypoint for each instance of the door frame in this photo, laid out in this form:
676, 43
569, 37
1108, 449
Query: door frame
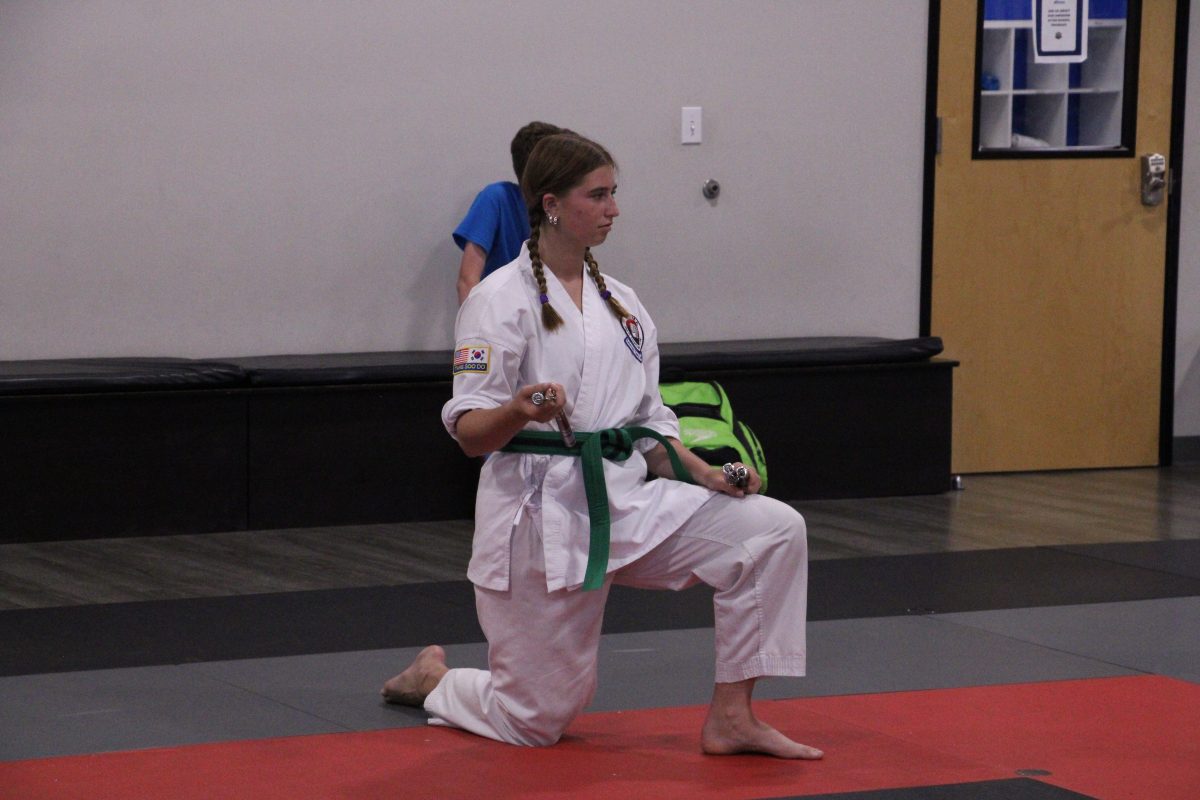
1166, 423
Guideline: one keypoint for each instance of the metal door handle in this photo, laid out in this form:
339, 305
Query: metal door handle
1154, 178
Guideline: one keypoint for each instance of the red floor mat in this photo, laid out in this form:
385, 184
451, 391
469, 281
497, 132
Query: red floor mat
1110, 738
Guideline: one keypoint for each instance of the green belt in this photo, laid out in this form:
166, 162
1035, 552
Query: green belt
615, 444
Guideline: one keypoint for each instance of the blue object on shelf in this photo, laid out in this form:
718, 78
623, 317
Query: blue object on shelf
989, 82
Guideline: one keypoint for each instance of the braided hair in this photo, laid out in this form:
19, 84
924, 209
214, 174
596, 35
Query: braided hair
557, 164
614, 305
550, 318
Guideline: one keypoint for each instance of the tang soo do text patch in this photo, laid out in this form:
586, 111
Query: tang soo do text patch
472, 359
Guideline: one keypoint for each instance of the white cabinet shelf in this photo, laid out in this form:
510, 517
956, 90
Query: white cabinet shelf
1024, 105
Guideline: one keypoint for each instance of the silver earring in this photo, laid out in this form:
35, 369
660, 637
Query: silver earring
553, 219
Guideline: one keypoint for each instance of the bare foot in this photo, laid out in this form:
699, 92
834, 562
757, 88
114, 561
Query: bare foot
724, 736
413, 685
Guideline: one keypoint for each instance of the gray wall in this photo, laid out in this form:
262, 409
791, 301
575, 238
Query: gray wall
234, 177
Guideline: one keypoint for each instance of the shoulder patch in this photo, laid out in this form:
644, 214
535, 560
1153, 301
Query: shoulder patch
472, 359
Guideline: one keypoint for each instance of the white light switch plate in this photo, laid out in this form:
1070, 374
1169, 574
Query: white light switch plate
690, 125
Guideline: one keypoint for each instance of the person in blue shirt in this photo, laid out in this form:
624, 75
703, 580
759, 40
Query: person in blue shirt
497, 224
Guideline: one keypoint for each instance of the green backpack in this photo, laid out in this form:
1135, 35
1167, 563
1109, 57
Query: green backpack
707, 426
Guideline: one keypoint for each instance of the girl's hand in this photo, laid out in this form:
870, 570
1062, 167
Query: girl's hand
714, 478
552, 397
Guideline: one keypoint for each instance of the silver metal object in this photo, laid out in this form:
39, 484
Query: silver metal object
711, 189
560, 419
564, 429
1154, 178
736, 475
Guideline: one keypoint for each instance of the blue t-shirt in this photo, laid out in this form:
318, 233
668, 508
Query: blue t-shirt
498, 222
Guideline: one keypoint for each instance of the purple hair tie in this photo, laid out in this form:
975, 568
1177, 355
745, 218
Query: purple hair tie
606, 294
544, 298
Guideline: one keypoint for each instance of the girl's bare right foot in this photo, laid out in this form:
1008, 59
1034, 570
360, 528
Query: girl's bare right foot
722, 736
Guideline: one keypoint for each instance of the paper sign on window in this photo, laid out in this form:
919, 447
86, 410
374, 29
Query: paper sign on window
1060, 30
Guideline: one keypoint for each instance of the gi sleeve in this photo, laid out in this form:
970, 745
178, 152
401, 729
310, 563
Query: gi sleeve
488, 351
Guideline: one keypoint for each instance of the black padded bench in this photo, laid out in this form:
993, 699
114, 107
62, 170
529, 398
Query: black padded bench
353, 438
838, 417
112, 447
124, 447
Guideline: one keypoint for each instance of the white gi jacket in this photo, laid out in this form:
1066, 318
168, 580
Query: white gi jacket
610, 373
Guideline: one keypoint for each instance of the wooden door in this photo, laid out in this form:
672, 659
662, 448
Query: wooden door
1047, 278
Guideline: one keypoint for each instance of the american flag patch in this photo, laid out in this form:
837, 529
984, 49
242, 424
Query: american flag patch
472, 359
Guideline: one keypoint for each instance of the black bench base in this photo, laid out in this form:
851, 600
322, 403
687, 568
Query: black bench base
862, 431
111, 447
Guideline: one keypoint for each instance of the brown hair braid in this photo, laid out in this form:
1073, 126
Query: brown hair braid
550, 317
614, 305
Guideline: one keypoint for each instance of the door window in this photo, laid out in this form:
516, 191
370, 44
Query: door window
1028, 107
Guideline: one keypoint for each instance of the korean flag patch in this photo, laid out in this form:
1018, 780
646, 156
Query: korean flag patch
472, 359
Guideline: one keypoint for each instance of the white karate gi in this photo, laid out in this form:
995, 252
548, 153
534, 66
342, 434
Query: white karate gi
531, 520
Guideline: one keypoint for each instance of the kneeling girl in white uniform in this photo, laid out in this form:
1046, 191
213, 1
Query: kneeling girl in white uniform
547, 343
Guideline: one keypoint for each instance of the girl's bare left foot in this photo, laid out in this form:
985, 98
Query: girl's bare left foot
413, 685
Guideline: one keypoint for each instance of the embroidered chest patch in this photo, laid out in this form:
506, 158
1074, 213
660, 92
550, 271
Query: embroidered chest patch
634, 338
472, 359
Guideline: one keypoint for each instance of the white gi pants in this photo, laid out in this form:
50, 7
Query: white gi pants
542, 646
